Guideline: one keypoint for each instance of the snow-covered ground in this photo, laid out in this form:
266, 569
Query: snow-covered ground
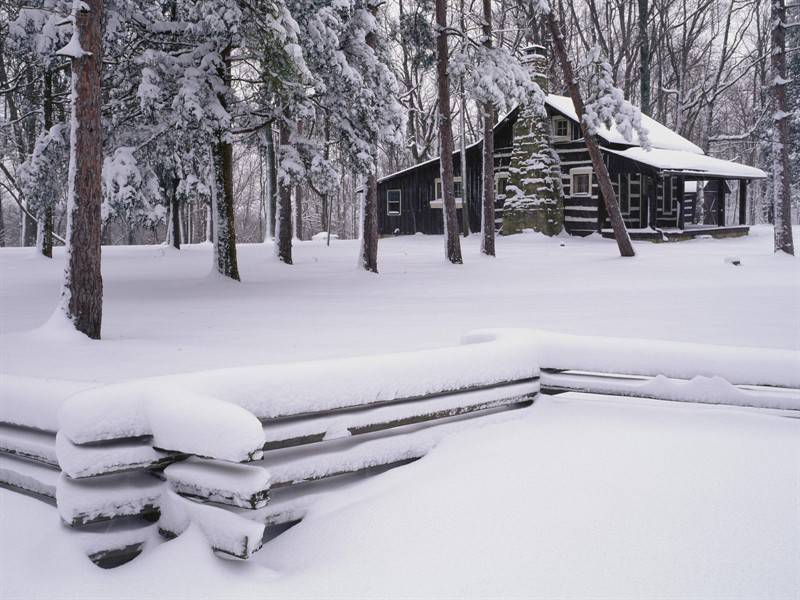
574, 498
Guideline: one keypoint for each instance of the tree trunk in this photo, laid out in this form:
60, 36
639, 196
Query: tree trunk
600, 169
644, 58
368, 258
487, 199
224, 227
780, 133
283, 215
462, 115
175, 213
369, 225
82, 293
298, 211
272, 183
2, 222
452, 241
45, 243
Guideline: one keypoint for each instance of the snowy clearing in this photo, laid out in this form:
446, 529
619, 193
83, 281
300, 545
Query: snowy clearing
164, 312
576, 496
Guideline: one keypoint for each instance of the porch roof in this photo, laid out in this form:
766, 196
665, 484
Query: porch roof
689, 163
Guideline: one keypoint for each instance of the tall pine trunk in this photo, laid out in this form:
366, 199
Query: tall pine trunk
780, 133
644, 58
368, 257
224, 228
487, 197
283, 215
599, 167
452, 241
369, 225
298, 211
175, 215
271, 181
45, 239
82, 293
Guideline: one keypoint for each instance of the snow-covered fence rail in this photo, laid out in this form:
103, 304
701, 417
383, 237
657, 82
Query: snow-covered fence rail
235, 451
210, 448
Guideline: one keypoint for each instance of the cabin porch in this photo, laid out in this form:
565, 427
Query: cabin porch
689, 232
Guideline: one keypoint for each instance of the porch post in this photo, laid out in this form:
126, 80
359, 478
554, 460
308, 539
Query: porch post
743, 201
643, 200
652, 191
720, 203
681, 192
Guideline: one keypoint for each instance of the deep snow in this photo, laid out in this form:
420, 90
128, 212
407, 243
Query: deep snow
164, 313
569, 498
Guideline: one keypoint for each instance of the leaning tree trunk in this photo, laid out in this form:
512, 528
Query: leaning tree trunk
452, 241
224, 228
600, 169
780, 133
283, 211
487, 199
82, 293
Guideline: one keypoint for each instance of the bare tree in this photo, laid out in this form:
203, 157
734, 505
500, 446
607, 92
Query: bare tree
488, 113
452, 241
82, 293
780, 133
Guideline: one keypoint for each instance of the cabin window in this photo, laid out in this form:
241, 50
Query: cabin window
393, 204
500, 183
581, 181
560, 129
456, 187
634, 189
623, 197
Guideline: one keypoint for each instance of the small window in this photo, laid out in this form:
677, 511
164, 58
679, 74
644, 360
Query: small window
393, 204
500, 183
560, 128
581, 181
623, 197
456, 188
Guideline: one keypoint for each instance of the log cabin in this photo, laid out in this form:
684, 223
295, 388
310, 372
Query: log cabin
657, 188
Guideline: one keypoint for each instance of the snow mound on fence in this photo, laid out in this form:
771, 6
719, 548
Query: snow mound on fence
738, 365
34, 402
216, 413
177, 420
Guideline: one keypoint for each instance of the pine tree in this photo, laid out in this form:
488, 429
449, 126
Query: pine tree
446, 146
82, 293
780, 133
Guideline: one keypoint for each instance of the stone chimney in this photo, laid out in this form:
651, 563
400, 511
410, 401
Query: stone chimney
533, 194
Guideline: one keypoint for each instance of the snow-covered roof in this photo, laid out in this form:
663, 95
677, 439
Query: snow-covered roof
689, 163
660, 136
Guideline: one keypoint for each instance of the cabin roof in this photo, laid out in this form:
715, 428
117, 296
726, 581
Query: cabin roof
670, 151
660, 136
688, 163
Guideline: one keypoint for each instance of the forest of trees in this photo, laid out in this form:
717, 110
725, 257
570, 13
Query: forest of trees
245, 120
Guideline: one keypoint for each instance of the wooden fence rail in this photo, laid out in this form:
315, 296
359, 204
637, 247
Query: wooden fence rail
120, 473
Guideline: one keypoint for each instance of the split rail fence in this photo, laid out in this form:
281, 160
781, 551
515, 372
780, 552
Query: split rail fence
244, 453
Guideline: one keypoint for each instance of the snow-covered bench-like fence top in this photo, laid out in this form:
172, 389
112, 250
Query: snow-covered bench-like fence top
229, 449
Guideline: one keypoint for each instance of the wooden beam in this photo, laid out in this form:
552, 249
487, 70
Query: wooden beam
643, 201
652, 192
721, 202
743, 201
